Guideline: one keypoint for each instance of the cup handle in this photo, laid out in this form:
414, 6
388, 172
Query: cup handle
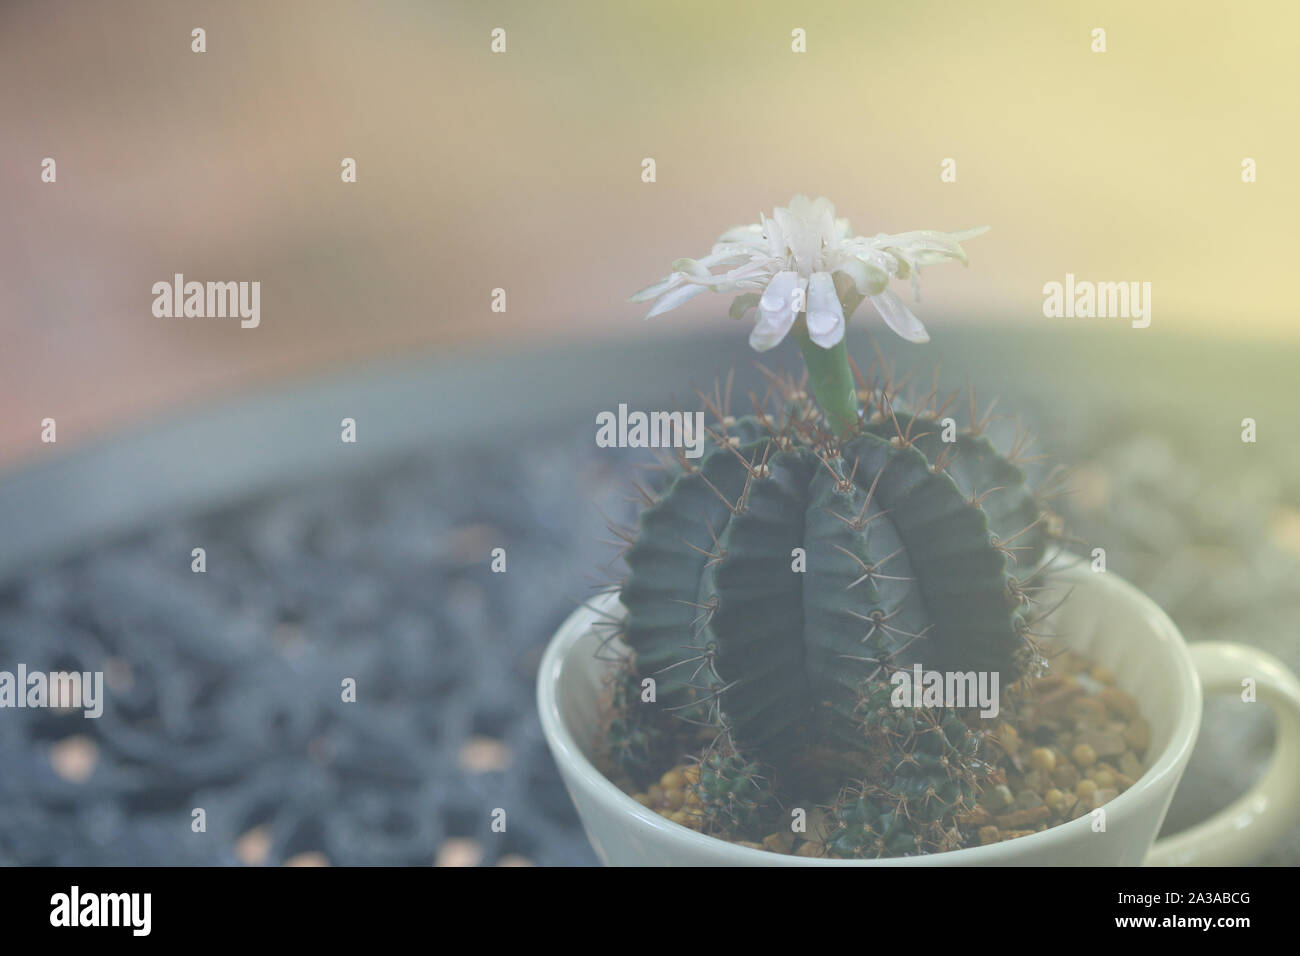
1254, 822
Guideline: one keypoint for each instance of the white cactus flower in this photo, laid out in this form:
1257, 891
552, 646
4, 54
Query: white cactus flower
788, 264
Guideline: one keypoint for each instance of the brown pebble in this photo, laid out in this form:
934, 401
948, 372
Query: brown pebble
1014, 834
1057, 703
1008, 739
1066, 776
976, 817
1104, 795
1138, 734
1027, 799
311, 858
1129, 765
1035, 780
810, 848
1087, 710
779, 842
672, 780
1104, 744
989, 835
1083, 755
1043, 758
999, 796
1021, 818
1119, 703
820, 825
1051, 682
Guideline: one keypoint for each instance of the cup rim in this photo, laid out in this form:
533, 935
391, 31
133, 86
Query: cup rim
1165, 770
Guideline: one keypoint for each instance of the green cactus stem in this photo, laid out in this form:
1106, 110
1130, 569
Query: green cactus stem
639, 738
908, 555
777, 581
736, 797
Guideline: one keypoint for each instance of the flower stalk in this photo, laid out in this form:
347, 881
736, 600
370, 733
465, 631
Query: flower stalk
831, 379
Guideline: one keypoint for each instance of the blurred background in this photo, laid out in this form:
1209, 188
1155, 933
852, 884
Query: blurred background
522, 171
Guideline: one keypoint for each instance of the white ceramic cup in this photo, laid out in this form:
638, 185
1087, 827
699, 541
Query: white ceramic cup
1106, 619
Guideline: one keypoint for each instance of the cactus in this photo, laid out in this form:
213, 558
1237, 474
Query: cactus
735, 797
933, 774
636, 739
777, 581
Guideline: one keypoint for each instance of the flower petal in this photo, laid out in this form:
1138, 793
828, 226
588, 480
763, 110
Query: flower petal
898, 317
727, 281
676, 297
825, 314
691, 267
776, 310
779, 295
926, 247
730, 253
750, 233
868, 278
802, 232
767, 335
658, 289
